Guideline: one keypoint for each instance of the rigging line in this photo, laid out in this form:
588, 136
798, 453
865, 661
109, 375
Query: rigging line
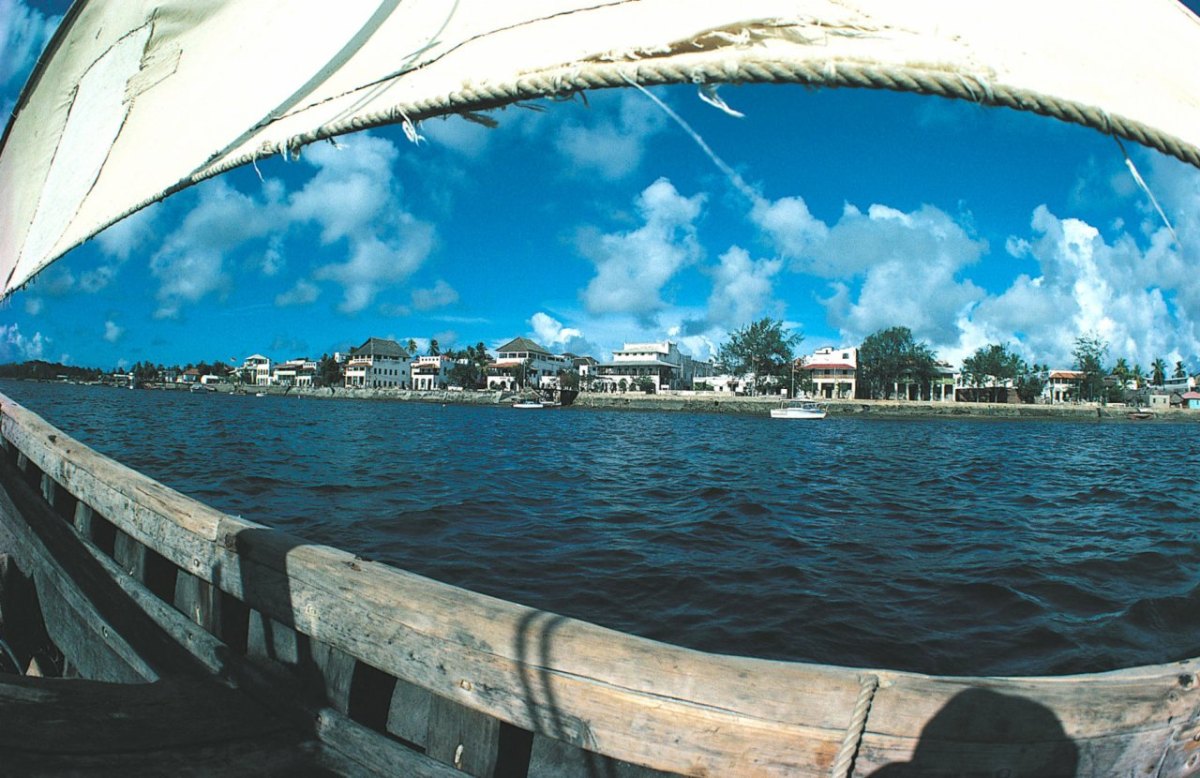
734, 178
1137, 177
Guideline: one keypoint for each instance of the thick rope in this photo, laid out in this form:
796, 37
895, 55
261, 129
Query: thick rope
746, 70
686, 70
844, 761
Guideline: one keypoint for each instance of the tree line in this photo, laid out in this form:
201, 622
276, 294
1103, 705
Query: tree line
891, 357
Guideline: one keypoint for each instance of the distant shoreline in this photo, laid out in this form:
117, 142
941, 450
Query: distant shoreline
724, 403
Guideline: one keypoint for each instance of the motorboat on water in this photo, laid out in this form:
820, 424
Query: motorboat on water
798, 409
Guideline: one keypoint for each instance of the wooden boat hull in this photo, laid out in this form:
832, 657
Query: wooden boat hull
403, 675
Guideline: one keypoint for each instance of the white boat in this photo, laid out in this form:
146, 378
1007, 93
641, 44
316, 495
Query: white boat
527, 405
798, 409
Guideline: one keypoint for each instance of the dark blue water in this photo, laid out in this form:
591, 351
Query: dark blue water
967, 547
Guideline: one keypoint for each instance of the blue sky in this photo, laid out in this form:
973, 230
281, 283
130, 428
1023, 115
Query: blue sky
590, 224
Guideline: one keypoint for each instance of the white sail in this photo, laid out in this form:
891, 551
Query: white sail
134, 100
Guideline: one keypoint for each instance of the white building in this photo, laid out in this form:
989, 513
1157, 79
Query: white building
540, 366
1062, 386
660, 362
259, 368
833, 372
430, 373
378, 363
300, 372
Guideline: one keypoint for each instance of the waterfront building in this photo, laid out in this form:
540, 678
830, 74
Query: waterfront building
256, 369
431, 372
1181, 384
541, 368
1062, 386
378, 363
833, 372
660, 362
300, 373
1191, 400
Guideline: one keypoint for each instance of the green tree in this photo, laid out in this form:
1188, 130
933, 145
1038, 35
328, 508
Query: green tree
889, 355
763, 348
329, 372
993, 366
434, 349
1180, 371
645, 384
1158, 371
1090, 352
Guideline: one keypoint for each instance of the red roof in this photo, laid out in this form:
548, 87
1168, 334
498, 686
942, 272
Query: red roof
1191, 395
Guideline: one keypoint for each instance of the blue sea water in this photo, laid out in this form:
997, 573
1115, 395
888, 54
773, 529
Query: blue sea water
941, 546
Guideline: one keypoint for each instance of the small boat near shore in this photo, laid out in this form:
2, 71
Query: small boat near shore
799, 409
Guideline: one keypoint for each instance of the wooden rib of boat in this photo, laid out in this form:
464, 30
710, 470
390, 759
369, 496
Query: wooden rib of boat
387, 672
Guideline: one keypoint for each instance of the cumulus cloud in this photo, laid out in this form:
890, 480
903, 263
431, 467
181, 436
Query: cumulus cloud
742, 289
385, 244
633, 267
439, 295
112, 331
302, 293
190, 264
15, 346
133, 232
609, 141
24, 32
352, 199
33, 305
551, 333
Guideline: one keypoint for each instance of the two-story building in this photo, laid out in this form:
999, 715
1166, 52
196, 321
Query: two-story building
300, 373
378, 363
521, 357
659, 362
256, 369
1062, 386
833, 372
431, 372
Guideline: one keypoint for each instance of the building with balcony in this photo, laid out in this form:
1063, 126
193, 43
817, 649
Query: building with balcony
378, 363
430, 372
833, 372
522, 363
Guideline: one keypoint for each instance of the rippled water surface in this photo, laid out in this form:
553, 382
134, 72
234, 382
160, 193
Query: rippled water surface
943, 546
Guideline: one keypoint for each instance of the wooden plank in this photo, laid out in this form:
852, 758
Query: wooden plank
555, 759
465, 739
198, 600
130, 555
636, 700
408, 713
334, 674
192, 725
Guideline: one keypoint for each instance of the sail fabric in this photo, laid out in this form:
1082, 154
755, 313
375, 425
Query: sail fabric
134, 100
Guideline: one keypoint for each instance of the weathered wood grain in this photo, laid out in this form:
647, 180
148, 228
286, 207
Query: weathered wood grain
194, 726
632, 699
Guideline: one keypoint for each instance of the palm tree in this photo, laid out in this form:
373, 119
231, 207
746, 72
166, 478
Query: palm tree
1179, 371
412, 347
1158, 372
434, 348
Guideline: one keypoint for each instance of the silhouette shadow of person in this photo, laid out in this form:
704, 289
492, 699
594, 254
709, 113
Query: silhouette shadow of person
981, 733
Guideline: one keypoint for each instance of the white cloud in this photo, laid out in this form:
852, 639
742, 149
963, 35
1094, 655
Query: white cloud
439, 295
113, 332
190, 264
611, 139
549, 331
33, 305
385, 244
742, 289
120, 240
302, 293
24, 32
633, 267
16, 347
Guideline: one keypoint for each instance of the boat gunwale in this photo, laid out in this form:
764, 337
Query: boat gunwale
569, 679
